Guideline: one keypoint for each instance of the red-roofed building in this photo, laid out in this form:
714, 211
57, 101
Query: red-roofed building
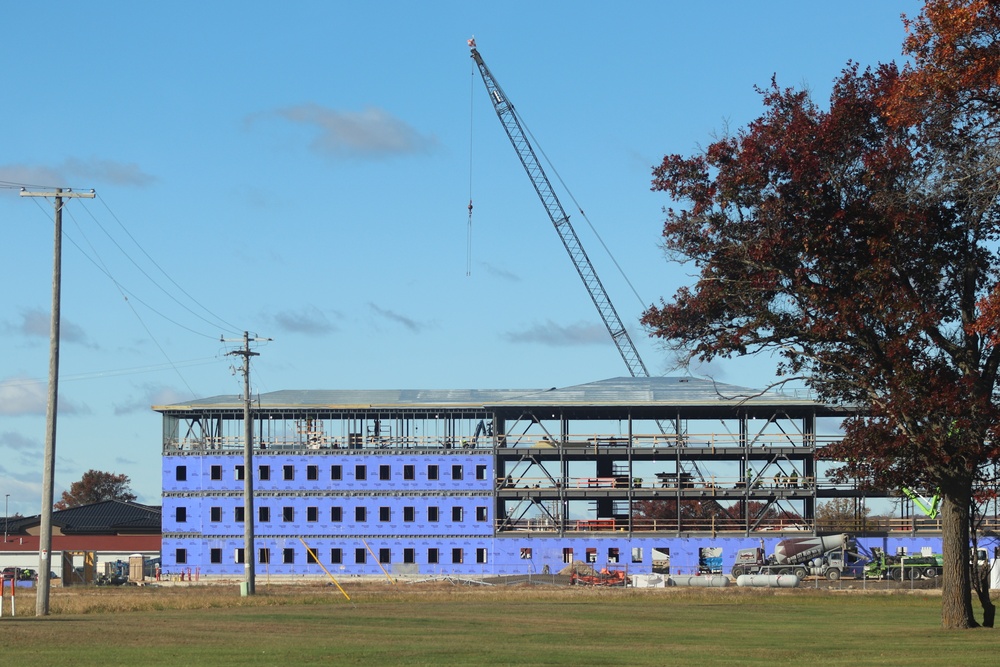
111, 530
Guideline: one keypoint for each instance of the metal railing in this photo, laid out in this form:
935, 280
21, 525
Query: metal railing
898, 525
668, 481
326, 442
707, 443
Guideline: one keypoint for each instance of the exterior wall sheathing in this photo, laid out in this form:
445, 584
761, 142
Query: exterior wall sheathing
202, 495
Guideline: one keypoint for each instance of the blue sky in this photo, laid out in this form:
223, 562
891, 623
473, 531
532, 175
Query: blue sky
302, 171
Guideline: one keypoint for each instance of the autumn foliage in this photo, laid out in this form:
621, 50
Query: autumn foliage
96, 486
857, 242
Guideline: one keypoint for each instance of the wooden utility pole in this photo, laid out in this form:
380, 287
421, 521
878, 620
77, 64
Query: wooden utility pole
248, 510
49, 471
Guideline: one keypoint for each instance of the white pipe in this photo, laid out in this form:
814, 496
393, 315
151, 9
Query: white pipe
768, 580
704, 581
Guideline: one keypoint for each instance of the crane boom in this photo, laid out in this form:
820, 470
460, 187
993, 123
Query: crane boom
511, 124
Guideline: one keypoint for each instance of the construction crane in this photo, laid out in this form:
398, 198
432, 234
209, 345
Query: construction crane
512, 125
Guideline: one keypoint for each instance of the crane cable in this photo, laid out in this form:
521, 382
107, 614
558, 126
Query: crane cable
579, 208
468, 233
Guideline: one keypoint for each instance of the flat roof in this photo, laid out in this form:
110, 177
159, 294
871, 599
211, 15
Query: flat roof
614, 394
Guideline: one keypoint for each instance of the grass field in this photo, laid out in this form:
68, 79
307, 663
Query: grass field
442, 624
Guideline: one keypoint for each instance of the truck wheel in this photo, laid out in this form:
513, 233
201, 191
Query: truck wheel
895, 574
785, 571
931, 573
800, 572
833, 574
913, 574
738, 572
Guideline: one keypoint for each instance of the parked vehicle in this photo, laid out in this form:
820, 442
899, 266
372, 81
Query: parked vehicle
802, 556
900, 566
19, 574
903, 566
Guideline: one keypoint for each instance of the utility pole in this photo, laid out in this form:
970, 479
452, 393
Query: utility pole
49, 472
248, 516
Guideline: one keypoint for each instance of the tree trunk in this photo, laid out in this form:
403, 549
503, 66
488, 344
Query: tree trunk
956, 588
983, 593
981, 573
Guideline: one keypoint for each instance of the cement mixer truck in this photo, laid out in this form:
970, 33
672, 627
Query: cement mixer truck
802, 556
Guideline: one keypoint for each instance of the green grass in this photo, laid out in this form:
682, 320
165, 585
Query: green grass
435, 624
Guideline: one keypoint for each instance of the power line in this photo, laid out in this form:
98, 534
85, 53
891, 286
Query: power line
117, 372
99, 263
102, 267
21, 186
128, 295
232, 328
121, 291
143, 271
125, 292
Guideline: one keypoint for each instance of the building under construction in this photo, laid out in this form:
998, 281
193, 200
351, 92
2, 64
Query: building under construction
637, 472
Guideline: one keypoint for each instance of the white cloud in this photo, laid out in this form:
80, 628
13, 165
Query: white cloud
22, 396
24, 488
18, 451
500, 272
36, 323
372, 133
397, 318
76, 172
150, 395
16, 441
108, 171
31, 176
307, 320
552, 333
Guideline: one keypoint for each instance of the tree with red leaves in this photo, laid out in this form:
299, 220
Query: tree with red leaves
94, 487
858, 244
951, 93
